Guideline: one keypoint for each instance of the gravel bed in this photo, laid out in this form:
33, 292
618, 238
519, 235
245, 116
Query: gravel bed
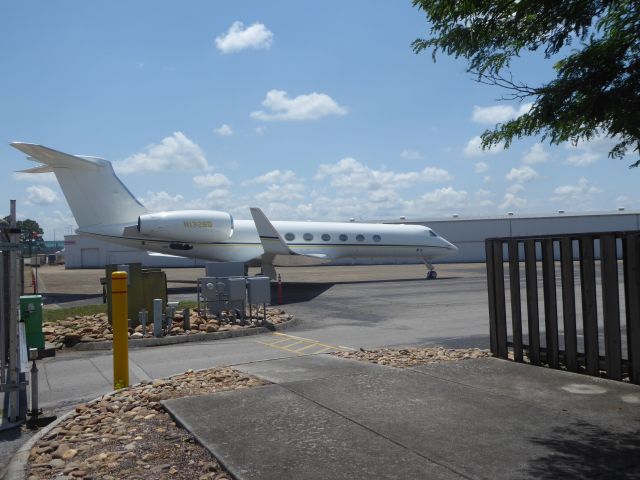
411, 357
127, 434
96, 328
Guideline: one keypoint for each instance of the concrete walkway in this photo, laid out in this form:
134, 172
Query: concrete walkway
326, 417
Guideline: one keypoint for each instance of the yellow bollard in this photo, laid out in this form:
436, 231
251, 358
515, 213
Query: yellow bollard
120, 327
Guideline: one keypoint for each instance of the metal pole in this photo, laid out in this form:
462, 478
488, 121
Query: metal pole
142, 318
186, 320
13, 413
157, 317
35, 410
3, 320
119, 309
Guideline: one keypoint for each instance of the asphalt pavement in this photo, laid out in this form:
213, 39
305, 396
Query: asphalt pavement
327, 417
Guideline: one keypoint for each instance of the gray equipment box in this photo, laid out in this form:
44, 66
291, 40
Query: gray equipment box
259, 290
235, 288
225, 269
212, 288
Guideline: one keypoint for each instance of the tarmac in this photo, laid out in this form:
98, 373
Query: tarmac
326, 417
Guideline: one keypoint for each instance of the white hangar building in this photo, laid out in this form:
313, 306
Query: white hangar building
467, 233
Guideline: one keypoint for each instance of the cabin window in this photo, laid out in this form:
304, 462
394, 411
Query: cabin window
308, 237
290, 237
432, 233
326, 237
360, 238
343, 237
376, 238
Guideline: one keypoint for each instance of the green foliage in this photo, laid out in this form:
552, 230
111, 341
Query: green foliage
31, 233
597, 85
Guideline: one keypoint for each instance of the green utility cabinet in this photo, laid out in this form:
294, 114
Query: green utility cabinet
143, 284
31, 315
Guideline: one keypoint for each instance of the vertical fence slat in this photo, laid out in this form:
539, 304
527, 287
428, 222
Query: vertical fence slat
491, 289
501, 314
550, 302
533, 319
568, 305
611, 306
516, 309
589, 306
631, 245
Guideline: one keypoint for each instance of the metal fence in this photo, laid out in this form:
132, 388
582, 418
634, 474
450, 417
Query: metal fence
590, 307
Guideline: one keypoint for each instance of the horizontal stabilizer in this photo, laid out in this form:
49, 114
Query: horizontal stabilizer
56, 159
94, 193
39, 169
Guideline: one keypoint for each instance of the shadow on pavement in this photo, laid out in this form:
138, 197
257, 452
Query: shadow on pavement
588, 452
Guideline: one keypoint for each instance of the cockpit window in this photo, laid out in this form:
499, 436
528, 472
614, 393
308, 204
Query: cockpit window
432, 233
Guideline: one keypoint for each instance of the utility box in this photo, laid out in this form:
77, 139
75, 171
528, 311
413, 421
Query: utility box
259, 290
225, 269
236, 288
143, 285
31, 315
212, 289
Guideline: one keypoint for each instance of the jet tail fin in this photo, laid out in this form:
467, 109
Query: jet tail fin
94, 193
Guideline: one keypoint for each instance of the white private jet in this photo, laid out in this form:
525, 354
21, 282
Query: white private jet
103, 207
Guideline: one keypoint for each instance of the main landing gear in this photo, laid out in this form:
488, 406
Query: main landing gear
431, 273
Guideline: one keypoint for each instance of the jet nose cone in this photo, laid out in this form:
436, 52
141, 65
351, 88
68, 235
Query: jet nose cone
453, 248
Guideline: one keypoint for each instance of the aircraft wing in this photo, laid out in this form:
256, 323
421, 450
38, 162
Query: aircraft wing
272, 242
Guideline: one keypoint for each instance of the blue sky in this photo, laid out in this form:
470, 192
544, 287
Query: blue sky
315, 111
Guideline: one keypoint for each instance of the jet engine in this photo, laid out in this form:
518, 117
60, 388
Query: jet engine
193, 226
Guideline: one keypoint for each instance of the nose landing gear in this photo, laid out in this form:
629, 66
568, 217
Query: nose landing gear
431, 273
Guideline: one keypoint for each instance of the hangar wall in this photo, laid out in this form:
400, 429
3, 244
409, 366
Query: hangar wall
468, 234
81, 251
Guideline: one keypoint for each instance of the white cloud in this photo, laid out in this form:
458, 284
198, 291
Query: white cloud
623, 201
536, 154
348, 173
410, 154
238, 38
487, 179
483, 198
588, 152
303, 107
282, 193
581, 192
224, 130
444, 198
274, 176
498, 113
260, 130
521, 174
215, 180
515, 188
41, 195
176, 152
481, 167
511, 200
474, 148
48, 177
162, 201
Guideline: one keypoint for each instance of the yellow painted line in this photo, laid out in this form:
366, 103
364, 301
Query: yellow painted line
305, 347
275, 346
307, 344
305, 339
326, 349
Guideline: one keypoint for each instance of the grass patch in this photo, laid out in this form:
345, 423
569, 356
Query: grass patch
187, 304
57, 314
